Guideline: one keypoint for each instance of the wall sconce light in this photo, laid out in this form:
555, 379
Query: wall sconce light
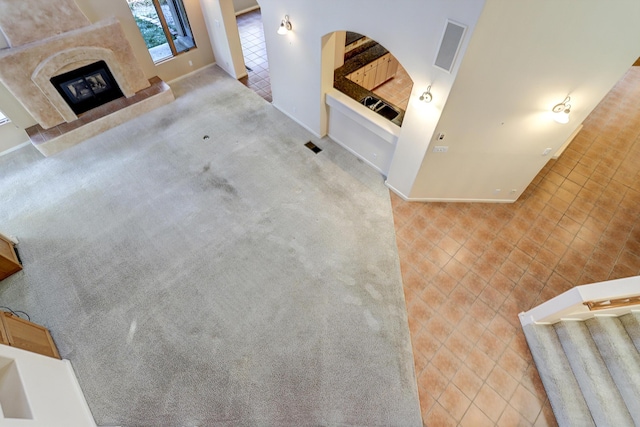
562, 111
285, 26
426, 95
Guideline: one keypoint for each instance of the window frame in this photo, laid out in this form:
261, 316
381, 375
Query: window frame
180, 18
4, 119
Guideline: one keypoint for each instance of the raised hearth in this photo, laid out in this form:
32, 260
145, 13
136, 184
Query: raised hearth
69, 73
55, 139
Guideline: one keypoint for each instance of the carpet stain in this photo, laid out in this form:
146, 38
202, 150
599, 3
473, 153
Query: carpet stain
217, 182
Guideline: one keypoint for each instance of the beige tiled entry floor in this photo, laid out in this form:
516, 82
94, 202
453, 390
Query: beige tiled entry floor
255, 53
469, 269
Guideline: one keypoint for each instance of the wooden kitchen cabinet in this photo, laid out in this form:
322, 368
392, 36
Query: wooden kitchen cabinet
376, 72
357, 75
369, 78
9, 263
392, 68
23, 334
381, 70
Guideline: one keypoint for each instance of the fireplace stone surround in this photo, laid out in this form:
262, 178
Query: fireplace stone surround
58, 38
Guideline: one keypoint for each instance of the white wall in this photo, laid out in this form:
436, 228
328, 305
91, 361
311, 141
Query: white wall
410, 29
220, 19
525, 57
49, 387
243, 5
522, 58
12, 134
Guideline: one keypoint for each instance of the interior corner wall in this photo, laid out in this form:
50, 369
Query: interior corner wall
222, 26
524, 57
242, 5
409, 29
12, 134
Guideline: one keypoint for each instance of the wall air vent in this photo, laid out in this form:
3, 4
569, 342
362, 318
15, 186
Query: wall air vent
450, 45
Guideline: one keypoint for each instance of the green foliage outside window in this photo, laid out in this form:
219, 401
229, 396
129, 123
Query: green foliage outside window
152, 34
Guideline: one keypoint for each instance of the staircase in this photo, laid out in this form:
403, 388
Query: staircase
590, 369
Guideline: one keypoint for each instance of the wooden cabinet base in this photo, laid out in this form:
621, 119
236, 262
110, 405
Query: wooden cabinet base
23, 334
9, 263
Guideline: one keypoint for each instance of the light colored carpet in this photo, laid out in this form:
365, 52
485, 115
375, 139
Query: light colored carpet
590, 369
239, 280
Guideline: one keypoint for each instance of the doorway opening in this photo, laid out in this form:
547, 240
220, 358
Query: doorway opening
164, 27
254, 52
376, 72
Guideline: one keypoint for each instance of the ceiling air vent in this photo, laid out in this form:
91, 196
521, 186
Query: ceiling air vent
450, 45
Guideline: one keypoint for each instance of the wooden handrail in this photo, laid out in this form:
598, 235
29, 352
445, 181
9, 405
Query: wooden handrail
613, 303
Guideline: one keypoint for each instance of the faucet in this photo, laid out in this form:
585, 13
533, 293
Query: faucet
373, 107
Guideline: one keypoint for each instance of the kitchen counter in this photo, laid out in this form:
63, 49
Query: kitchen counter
352, 37
355, 91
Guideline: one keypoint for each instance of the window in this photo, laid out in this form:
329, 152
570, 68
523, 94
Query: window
3, 119
164, 27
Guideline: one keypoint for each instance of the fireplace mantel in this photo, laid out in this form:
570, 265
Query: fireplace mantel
26, 70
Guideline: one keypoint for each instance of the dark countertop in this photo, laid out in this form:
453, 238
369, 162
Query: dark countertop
355, 91
353, 37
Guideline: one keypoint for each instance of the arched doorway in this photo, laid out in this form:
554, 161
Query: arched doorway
383, 75
365, 93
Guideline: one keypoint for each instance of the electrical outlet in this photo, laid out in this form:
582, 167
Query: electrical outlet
440, 148
497, 191
547, 151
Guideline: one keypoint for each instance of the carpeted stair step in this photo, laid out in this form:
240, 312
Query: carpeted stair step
621, 358
563, 390
605, 402
631, 323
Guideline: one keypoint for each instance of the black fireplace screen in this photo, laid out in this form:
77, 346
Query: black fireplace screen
87, 87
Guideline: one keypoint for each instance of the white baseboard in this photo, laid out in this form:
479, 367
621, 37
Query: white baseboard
14, 148
314, 133
455, 200
346, 147
395, 190
184, 76
443, 199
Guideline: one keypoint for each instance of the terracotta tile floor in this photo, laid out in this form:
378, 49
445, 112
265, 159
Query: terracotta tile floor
397, 90
469, 269
255, 53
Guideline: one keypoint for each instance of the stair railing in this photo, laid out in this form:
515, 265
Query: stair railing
610, 298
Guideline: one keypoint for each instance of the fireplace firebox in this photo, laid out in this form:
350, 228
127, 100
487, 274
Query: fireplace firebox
87, 87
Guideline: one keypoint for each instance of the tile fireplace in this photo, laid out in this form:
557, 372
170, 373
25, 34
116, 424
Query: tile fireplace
49, 40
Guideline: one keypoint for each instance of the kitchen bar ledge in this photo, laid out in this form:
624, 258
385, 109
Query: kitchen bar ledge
360, 114
364, 133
